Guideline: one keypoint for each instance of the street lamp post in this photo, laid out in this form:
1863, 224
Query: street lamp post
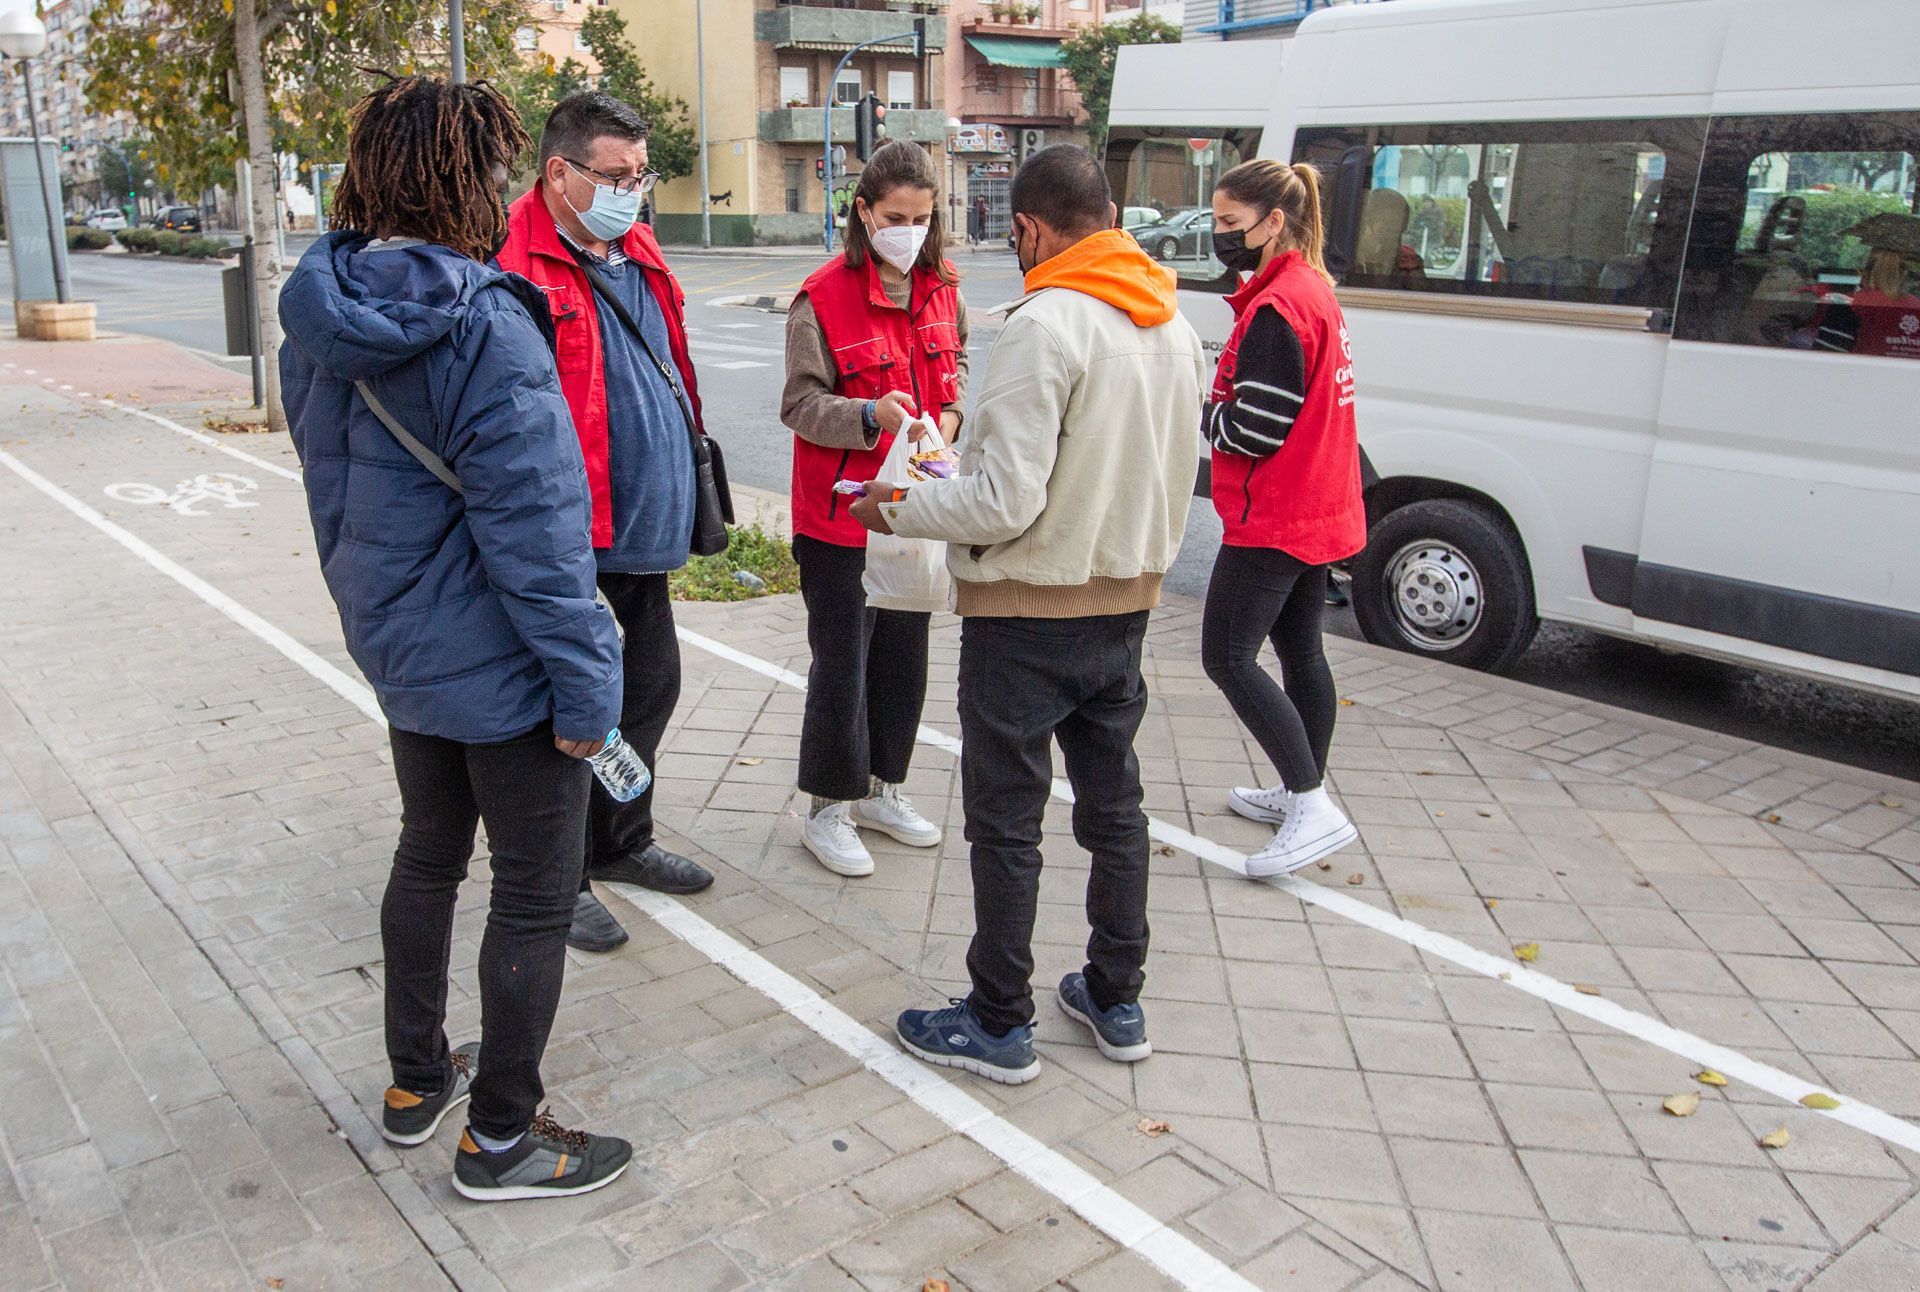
953, 196
23, 37
456, 42
700, 71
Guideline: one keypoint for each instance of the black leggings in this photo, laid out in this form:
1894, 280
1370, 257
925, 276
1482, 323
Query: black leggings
868, 680
1261, 594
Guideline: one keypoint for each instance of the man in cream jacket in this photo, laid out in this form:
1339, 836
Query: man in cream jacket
1068, 508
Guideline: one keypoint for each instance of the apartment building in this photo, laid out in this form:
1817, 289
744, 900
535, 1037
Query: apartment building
552, 32
60, 88
1250, 19
770, 71
1007, 85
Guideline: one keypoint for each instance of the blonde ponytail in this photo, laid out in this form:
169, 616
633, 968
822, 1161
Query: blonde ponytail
1294, 191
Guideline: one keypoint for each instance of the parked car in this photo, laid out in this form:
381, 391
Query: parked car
1185, 234
110, 218
181, 219
1138, 217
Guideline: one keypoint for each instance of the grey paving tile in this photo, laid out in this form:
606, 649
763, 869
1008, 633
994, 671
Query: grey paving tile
1739, 1205
1317, 1162
1481, 1178
1300, 1262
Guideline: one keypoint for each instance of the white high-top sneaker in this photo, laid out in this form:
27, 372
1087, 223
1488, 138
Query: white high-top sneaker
892, 812
1314, 828
1267, 806
830, 837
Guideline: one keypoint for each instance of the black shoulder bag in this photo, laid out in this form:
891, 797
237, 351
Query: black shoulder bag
712, 500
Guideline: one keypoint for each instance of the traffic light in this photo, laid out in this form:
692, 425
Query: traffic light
869, 126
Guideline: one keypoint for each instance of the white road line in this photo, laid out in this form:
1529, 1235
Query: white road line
1732, 1063
736, 364
204, 438
729, 347
1175, 1255
351, 689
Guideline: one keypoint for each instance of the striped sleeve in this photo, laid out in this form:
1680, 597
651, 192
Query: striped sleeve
1269, 385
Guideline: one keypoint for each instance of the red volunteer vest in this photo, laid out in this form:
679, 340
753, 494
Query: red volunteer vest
1304, 499
878, 348
534, 251
1889, 325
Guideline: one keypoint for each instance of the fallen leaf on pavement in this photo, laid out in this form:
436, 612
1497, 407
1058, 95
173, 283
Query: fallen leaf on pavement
1325, 865
1356, 878
1682, 1105
1483, 813
934, 1285
1528, 951
1492, 903
1819, 1099
751, 762
1165, 850
1348, 703
1150, 1128
1708, 1077
275, 1282
1775, 1139
1892, 803
1423, 773
1773, 818
1440, 812
1586, 989
1507, 977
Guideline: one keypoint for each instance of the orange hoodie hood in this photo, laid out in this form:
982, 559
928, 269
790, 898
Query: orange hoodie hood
1111, 267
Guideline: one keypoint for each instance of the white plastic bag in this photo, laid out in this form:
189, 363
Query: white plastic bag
908, 573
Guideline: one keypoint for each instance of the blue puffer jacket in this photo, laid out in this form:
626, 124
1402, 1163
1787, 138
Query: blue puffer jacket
474, 617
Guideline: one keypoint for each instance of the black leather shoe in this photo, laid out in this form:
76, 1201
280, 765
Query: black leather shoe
656, 868
593, 928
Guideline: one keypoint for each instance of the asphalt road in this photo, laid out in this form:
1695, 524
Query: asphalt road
739, 354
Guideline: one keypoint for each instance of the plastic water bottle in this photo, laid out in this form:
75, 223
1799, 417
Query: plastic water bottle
749, 580
620, 769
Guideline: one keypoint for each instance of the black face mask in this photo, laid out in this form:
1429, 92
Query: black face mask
1230, 249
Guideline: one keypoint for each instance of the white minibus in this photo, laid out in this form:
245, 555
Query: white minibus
1634, 292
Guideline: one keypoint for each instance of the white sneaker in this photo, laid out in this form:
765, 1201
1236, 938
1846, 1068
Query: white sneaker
1267, 806
830, 837
892, 812
1314, 828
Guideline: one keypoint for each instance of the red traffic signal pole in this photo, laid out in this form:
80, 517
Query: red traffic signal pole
919, 38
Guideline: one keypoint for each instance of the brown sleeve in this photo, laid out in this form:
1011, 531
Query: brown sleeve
808, 406
959, 401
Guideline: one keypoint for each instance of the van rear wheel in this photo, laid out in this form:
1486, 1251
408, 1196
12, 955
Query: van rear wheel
1447, 579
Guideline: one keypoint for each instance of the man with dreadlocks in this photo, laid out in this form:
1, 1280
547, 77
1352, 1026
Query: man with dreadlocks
450, 510
620, 317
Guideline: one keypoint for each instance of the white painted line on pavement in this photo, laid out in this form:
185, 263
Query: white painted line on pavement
351, 689
1732, 1063
1172, 1253
204, 438
736, 364
1132, 1227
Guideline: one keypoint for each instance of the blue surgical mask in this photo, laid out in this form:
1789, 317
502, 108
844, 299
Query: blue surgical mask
610, 214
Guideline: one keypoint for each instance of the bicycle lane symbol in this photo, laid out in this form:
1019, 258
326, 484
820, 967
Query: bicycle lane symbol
189, 495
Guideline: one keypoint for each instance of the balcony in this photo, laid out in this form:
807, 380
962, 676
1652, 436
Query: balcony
802, 125
811, 27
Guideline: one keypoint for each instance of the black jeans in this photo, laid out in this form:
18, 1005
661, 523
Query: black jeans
533, 799
868, 680
650, 667
1024, 682
1261, 594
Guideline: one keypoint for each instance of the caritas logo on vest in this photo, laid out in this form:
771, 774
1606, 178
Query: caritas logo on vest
1343, 375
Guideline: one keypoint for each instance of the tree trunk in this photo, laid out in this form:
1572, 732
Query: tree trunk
263, 215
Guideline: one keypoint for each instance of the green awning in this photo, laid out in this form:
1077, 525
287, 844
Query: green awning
1011, 51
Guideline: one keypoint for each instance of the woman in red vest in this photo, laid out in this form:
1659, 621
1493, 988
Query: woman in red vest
875, 337
1286, 482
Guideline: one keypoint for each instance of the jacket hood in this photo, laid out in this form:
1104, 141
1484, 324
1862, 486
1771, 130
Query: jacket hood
1111, 267
360, 312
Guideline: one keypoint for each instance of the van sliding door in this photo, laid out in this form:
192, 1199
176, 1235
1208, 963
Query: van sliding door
1783, 504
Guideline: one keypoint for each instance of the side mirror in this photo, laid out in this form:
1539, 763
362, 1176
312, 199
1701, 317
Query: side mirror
1349, 197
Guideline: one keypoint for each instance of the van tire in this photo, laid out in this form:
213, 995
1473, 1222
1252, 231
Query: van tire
1490, 590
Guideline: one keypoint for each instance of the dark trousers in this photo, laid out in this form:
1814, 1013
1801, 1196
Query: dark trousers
650, 666
533, 799
1261, 594
1024, 683
868, 680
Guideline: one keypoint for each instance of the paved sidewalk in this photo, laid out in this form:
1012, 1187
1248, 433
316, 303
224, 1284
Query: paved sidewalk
194, 832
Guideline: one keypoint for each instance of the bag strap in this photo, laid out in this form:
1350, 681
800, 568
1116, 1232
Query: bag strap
427, 457
605, 291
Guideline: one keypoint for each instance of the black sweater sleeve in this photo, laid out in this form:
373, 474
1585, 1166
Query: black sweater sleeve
1269, 385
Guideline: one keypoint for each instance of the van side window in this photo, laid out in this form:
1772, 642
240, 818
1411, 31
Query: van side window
1557, 211
1806, 235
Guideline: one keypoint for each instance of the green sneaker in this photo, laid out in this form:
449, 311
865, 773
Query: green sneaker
412, 1118
550, 1161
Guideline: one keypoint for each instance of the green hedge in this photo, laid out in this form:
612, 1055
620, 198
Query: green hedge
136, 239
88, 239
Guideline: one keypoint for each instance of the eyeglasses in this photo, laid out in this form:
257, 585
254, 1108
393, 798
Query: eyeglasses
622, 184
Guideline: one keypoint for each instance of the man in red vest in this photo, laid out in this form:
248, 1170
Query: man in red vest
631, 388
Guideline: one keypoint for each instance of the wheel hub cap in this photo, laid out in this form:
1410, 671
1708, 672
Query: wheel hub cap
1436, 594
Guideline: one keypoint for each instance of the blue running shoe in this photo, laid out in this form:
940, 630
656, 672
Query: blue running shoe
1120, 1032
953, 1038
